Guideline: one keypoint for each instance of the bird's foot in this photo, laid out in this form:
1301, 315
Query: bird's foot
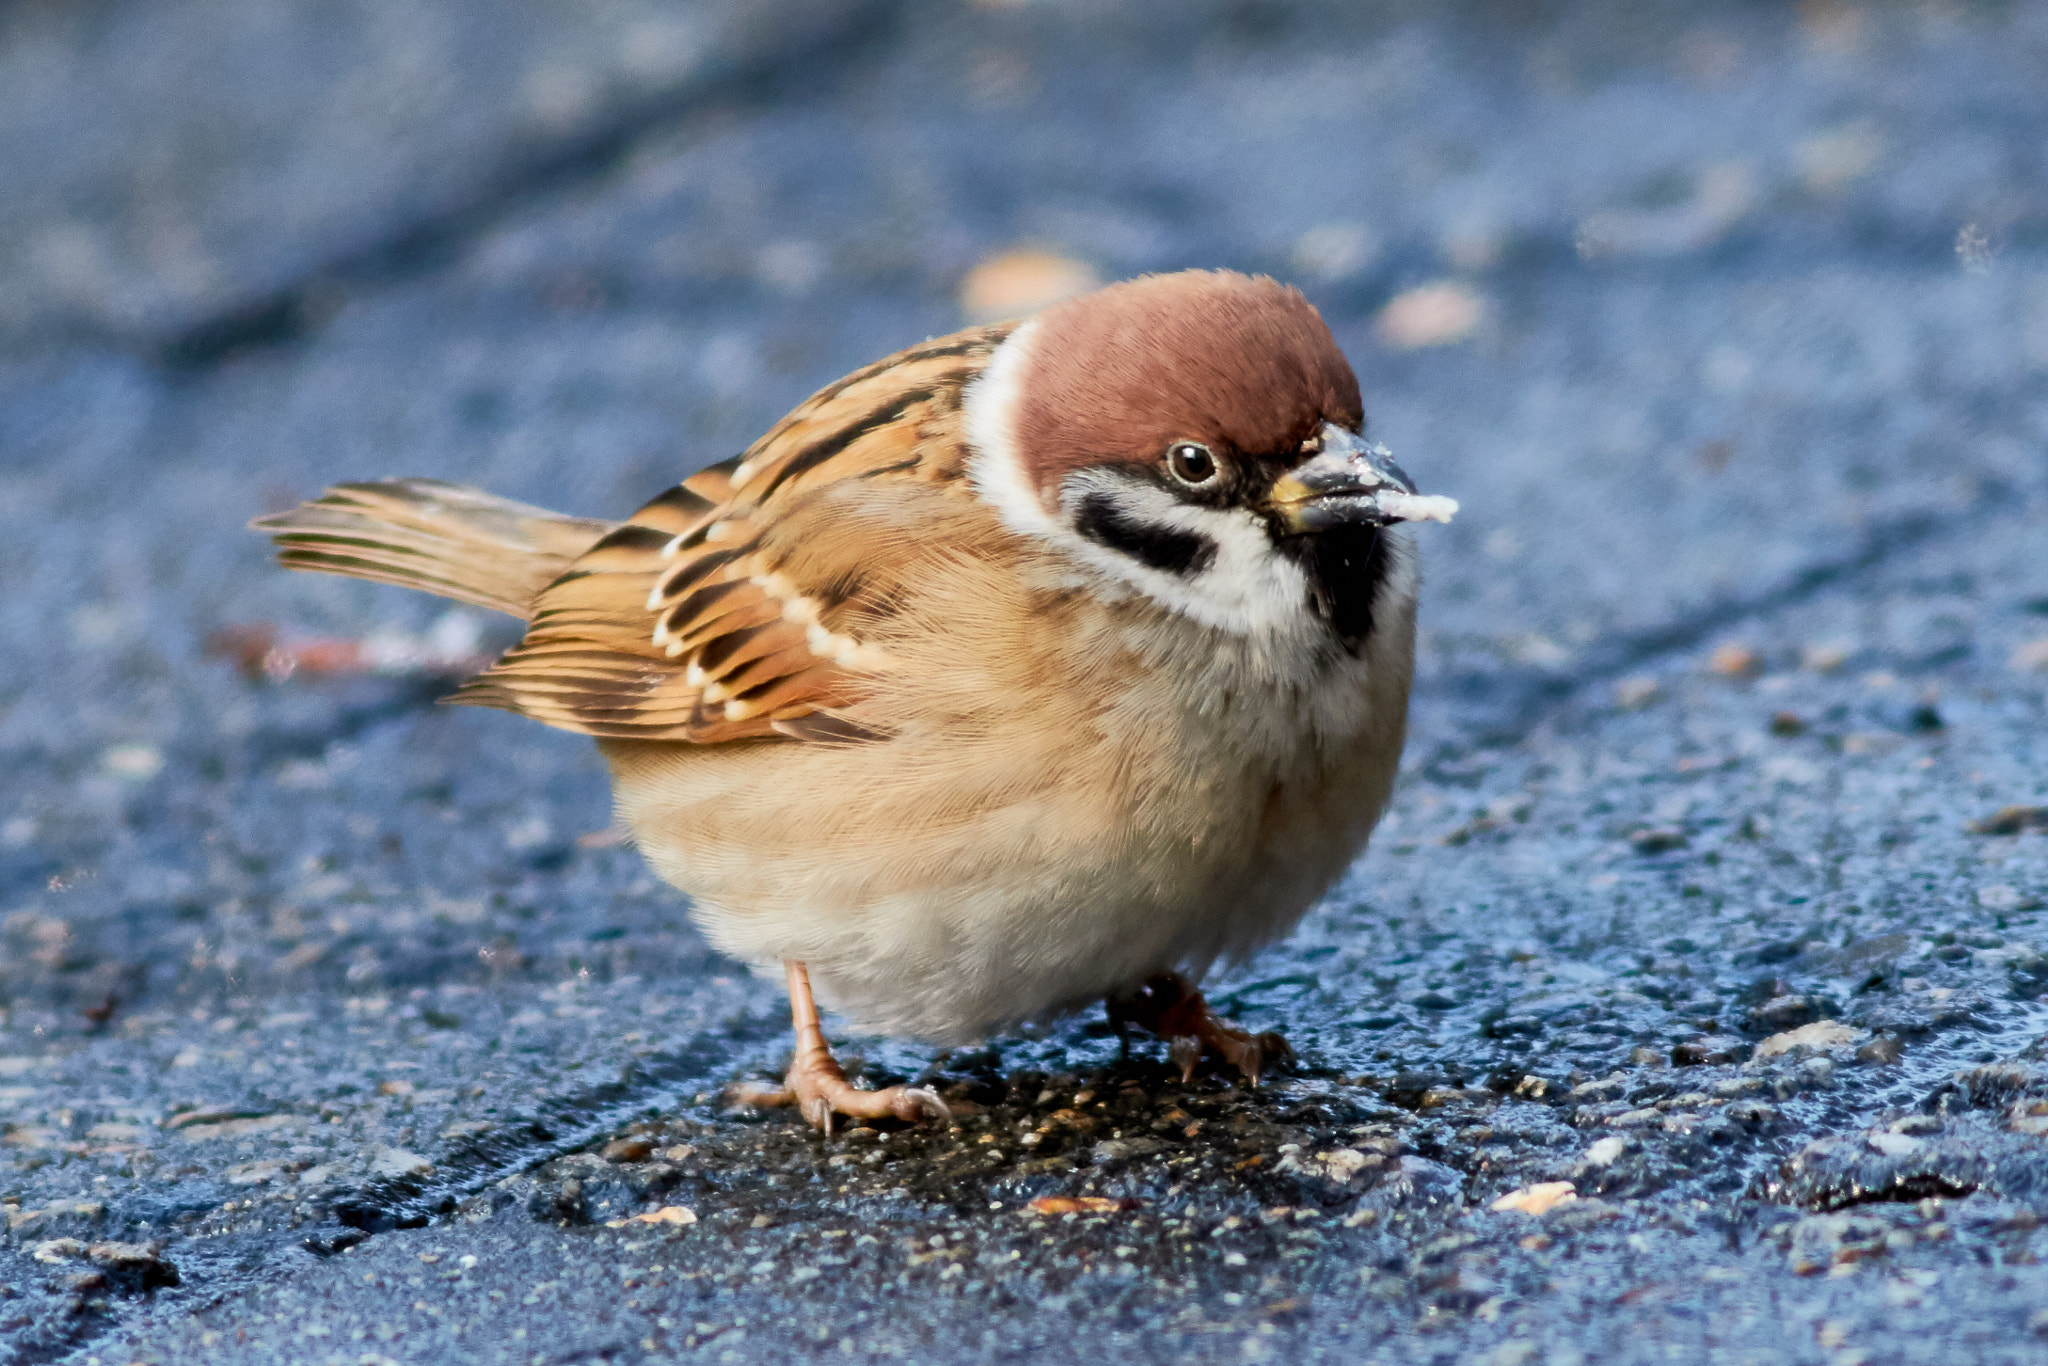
1173, 1008
818, 1089
816, 1084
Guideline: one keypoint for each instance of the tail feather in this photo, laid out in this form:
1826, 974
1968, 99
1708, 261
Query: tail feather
446, 539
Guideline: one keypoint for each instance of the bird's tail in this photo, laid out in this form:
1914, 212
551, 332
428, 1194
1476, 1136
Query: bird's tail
445, 539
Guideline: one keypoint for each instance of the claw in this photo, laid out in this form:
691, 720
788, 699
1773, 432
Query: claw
1186, 1053
921, 1102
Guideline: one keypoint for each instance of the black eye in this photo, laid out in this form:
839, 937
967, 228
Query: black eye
1191, 463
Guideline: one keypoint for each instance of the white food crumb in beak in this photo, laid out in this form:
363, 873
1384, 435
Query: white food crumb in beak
1417, 507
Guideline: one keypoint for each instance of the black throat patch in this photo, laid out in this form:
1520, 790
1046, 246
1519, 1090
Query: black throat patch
1170, 549
1345, 567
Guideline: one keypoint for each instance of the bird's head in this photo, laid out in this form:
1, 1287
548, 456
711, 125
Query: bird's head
1199, 437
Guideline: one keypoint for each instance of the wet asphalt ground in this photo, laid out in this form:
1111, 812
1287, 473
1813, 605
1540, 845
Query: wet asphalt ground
335, 1028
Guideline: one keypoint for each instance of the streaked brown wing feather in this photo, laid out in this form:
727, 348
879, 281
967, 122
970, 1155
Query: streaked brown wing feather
708, 615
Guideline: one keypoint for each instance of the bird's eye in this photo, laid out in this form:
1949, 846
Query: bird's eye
1191, 463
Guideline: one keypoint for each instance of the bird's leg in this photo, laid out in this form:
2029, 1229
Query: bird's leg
816, 1085
1170, 1006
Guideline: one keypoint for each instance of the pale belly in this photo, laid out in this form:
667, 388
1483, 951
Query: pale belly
946, 891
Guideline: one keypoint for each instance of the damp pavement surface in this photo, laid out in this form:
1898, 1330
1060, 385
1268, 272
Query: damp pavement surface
1691, 1003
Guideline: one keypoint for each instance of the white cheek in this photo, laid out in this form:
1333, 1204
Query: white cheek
1248, 589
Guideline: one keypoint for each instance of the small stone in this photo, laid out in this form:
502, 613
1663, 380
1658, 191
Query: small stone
1021, 282
54, 1250
254, 1173
1818, 1035
1438, 314
1783, 1013
1657, 839
1826, 656
1788, 723
2029, 1117
136, 763
136, 1265
1342, 1164
1604, 1151
1608, 1087
1335, 251
675, 1216
1734, 661
1894, 1145
1883, 1050
627, 1150
2011, 820
1709, 1050
397, 1163
1079, 1204
2030, 657
1633, 693
1540, 1198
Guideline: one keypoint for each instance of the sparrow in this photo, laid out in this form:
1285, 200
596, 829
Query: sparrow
1049, 662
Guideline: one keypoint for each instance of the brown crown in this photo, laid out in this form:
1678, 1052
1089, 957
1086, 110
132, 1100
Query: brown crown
1241, 363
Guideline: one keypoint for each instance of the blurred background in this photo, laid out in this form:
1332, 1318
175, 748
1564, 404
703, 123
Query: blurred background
1727, 323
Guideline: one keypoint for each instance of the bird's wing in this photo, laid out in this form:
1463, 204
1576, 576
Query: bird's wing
730, 608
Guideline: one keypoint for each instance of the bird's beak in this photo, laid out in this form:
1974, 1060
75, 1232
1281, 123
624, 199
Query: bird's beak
1347, 481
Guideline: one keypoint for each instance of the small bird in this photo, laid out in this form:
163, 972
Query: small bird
1044, 663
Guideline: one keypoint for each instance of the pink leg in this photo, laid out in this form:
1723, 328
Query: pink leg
816, 1085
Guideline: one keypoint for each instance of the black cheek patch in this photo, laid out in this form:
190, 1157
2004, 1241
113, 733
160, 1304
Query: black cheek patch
1165, 548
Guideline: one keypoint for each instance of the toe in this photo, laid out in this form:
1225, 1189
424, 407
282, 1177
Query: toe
1260, 1052
752, 1095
